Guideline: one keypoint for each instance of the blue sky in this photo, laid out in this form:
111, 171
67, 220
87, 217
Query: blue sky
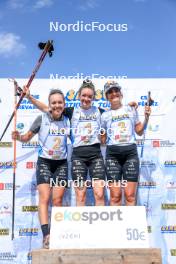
145, 50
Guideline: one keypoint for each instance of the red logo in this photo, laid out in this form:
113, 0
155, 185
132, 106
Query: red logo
30, 165
50, 152
156, 143
1, 186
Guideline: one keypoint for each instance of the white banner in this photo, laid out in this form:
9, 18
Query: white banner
99, 227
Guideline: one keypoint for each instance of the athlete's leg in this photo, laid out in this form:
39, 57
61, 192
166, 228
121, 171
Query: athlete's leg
115, 194
60, 178
57, 195
130, 193
44, 196
97, 174
43, 174
114, 174
79, 176
131, 174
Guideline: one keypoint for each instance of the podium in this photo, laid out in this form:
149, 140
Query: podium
97, 256
102, 234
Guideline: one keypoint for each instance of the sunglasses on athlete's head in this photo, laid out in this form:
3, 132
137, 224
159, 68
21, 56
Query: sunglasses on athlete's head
113, 89
111, 84
87, 83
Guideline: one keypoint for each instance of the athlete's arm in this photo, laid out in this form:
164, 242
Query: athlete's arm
34, 129
140, 127
22, 138
41, 106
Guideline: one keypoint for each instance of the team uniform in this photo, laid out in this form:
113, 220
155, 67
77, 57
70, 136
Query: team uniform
121, 153
52, 156
86, 155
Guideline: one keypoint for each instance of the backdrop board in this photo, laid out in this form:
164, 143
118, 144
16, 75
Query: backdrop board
157, 184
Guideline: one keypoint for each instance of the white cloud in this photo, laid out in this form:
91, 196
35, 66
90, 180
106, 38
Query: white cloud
43, 3
15, 4
11, 45
88, 4
26, 5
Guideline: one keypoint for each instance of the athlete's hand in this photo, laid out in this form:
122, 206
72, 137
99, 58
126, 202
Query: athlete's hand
26, 92
15, 135
147, 111
133, 104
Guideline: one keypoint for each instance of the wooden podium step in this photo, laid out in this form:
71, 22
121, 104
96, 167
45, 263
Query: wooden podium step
97, 256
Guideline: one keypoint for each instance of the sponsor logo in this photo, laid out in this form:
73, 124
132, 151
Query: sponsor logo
173, 252
162, 143
28, 232
7, 164
139, 142
4, 231
148, 163
170, 206
5, 209
30, 208
72, 99
90, 217
147, 184
170, 163
30, 144
5, 144
27, 105
153, 128
20, 126
7, 256
168, 229
143, 101
7, 186
31, 164
171, 185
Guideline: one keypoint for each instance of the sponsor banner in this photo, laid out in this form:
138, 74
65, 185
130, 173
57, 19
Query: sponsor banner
28, 231
168, 229
168, 206
4, 231
162, 143
173, 252
7, 164
5, 144
7, 257
30, 144
7, 186
29, 208
170, 163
